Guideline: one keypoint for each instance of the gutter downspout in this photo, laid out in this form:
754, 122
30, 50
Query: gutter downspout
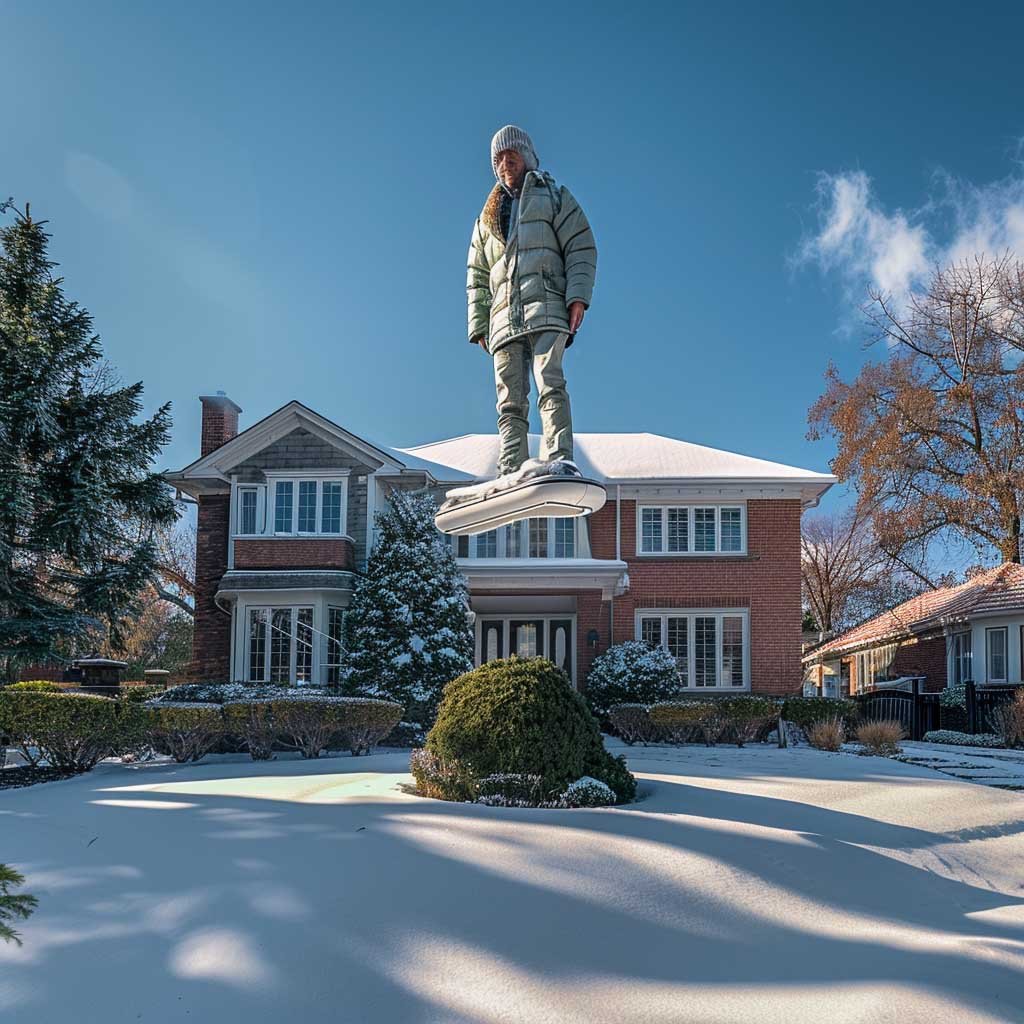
618, 558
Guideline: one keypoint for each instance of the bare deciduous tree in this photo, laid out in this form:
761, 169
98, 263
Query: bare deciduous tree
930, 435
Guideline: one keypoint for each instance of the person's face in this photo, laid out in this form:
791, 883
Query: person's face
511, 168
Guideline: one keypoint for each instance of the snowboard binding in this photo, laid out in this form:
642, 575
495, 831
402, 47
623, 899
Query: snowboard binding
538, 489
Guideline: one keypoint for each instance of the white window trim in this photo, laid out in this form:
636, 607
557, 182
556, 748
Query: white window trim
989, 677
314, 668
508, 617
718, 613
690, 528
523, 525
266, 504
954, 637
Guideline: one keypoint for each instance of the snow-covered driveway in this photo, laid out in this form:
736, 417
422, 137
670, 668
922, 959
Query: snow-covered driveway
748, 885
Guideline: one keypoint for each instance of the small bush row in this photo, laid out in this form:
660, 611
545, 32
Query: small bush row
74, 731
964, 739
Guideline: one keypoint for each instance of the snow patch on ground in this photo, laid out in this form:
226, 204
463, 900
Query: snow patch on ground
747, 885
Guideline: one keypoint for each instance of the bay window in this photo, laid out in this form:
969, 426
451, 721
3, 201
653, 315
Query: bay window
710, 646
280, 645
302, 506
691, 529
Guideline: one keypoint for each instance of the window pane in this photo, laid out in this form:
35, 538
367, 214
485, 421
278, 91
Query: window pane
565, 538
961, 658
304, 645
678, 647
996, 654
538, 538
257, 645
283, 507
280, 645
247, 511
487, 544
526, 640
650, 630
678, 529
704, 529
307, 506
732, 650
330, 518
514, 541
732, 534
705, 651
650, 529
335, 622
462, 546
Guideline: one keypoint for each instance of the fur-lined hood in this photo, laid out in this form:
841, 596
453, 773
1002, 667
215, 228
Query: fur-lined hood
490, 215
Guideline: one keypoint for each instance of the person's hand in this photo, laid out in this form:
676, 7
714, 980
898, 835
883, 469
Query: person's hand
576, 311
482, 342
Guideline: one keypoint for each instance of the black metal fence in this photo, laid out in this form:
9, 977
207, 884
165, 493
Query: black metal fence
921, 712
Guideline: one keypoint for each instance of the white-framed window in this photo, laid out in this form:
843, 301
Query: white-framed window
530, 538
302, 505
279, 645
960, 670
248, 505
711, 647
692, 529
996, 654
334, 641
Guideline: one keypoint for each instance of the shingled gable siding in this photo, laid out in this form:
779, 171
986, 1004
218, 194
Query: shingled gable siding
766, 581
302, 450
211, 641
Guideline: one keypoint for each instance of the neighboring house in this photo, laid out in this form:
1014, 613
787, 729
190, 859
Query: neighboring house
697, 550
974, 631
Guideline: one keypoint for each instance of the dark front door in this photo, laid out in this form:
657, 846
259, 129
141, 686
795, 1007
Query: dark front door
492, 640
560, 644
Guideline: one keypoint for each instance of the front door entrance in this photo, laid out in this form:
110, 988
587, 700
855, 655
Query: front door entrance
541, 637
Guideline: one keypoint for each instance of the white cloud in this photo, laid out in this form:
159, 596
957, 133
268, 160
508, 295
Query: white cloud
893, 251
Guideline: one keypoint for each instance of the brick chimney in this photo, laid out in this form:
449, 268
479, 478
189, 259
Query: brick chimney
220, 421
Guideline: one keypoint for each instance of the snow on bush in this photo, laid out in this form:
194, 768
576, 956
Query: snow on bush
220, 693
632, 672
587, 792
963, 739
407, 630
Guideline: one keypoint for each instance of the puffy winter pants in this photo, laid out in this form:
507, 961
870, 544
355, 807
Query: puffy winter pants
542, 353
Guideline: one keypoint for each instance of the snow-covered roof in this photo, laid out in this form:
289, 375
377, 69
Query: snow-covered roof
620, 458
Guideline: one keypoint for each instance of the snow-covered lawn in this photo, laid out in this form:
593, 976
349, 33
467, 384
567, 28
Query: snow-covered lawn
747, 885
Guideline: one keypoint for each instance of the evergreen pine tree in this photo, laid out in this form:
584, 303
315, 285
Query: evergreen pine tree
407, 629
13, 906
78, 500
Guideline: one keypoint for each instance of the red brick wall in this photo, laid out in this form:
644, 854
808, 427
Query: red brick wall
211, 642
766, 581
294, 553
923, 657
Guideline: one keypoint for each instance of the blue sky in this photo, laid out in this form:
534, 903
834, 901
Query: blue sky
276, 200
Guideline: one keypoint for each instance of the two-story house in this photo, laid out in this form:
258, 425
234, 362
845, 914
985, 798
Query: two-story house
697, 550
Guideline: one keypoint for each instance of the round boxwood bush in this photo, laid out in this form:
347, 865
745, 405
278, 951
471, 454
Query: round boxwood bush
632, 672
518, 717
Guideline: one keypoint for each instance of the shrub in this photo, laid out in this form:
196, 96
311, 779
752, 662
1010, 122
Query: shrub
13, 906
805, 711
1008, 720
953, 707
440, 779
186, 731
139, 693
587, 792
826, 734
252, 721
683, 721
745, 716
632, 723
221, 693
632, 672
309, 722
519, 716
512, 789
70, 731
965, 739
33, 686
880, 738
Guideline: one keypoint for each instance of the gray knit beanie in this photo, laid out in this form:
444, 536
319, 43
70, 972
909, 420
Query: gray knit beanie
511, 137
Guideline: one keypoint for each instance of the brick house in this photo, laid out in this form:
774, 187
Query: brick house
974, 631
697, 550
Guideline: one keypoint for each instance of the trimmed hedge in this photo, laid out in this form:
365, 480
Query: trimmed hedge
805, 711
185, 731
632, 723
309, 723
632, 672
33, 686
516, 717
253, 722
682, 721
70, 731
